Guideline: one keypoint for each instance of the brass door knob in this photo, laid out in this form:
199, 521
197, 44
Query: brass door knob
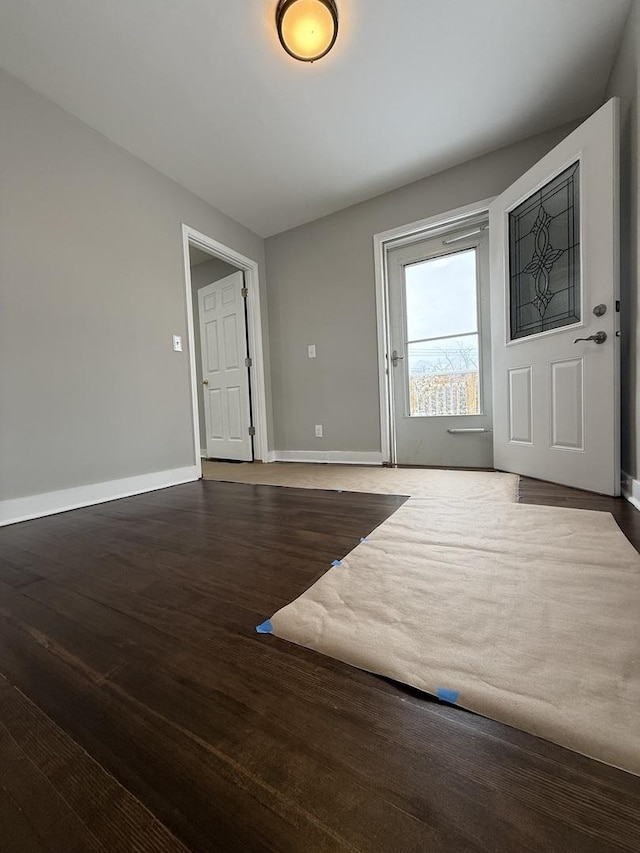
205, 381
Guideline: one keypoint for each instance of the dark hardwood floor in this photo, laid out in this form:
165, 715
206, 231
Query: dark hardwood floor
140, 711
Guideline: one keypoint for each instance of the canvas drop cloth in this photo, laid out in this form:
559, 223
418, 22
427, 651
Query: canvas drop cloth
529, 615
423, 482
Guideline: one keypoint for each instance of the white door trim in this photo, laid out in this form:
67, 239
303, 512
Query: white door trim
382, 245
254, 328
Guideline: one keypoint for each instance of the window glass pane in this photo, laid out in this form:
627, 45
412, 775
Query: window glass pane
441, 296
544, 257
444, 377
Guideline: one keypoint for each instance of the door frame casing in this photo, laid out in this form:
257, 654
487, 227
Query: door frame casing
383, 243
254, 330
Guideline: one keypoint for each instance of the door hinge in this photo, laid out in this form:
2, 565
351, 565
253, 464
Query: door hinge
248, 362
618, 305
244, 292
252, 430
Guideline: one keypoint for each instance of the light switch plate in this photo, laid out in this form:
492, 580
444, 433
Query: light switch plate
177, 343
312, 350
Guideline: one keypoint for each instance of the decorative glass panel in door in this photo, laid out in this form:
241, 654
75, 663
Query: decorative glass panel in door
544, 257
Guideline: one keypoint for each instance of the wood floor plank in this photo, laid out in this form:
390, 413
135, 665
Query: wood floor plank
18, 832
14, 575
77, 805
296, 708
130, 628
204, 799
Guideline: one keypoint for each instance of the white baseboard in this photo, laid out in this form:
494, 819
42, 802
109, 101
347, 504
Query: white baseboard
270, 456
341, 457
631, 489
49, 503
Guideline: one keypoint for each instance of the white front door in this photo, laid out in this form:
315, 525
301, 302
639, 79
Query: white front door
440, 359
225, 371
554, 283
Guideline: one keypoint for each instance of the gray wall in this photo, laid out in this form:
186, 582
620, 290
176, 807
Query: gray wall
91, 291
322, 291
202, 275
624, 83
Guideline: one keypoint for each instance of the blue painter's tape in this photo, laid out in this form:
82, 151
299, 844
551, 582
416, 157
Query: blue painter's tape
446, 695
265, 628
337, 563
364, 539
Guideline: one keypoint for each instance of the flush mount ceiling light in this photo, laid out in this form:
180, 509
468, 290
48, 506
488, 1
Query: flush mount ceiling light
307, 28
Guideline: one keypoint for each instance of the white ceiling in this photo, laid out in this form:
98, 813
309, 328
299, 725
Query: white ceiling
202, 90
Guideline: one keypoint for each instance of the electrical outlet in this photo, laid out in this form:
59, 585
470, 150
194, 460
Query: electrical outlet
318, 430
312, 350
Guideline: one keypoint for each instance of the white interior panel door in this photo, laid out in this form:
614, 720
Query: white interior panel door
225, 374
554, 291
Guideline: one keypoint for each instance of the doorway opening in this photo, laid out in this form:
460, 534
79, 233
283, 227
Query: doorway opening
555, 351
432, 286
440, 364
225, 350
